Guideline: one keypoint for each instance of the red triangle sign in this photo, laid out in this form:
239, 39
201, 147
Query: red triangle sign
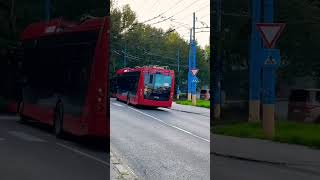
270, 32
194, 71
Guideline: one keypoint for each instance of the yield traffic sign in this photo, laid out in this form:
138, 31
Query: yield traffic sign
194, 71
270, 32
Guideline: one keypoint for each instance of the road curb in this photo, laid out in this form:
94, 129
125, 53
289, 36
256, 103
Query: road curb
202, 114
250, 159
279, 163
297, 166
123, 172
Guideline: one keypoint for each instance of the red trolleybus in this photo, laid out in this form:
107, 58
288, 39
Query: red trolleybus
65, 65
147, 86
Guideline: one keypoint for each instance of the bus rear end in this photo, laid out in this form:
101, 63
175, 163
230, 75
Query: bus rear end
97, 99
156, 87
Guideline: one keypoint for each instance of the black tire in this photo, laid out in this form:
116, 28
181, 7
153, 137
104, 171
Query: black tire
22, 118
58, 121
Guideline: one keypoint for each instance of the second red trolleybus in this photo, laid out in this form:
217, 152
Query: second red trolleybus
65, 67
151, 86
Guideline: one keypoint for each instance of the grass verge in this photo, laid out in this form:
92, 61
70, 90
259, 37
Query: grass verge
200, 103
285, 132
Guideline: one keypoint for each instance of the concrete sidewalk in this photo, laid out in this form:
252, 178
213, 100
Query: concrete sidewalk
265, 151
190, 109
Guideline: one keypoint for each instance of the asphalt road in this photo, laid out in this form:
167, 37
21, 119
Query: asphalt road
161, 143
223, 168
31, 152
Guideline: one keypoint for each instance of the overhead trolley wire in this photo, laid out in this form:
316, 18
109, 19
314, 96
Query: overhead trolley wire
175, 13
162, 12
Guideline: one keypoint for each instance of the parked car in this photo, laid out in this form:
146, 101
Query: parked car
205, 94
304, 105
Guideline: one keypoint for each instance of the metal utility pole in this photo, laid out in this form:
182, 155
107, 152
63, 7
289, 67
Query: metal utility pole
255, 70
189, 70
178, 87
268, 74
217, 63
47, 9
194, 63
13, 19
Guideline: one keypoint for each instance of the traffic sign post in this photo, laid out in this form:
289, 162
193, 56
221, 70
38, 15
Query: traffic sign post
269, 62
194, 71
255, 48
194, 63
266, 59
190, 67
270, 32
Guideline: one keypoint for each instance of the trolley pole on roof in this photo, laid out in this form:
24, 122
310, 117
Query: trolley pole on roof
47, 9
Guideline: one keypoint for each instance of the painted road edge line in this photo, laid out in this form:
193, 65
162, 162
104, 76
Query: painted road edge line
180, 129
7, 117
25, 136
116, 104
83, 154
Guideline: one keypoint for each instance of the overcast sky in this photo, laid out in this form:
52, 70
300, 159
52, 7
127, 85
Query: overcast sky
181, 12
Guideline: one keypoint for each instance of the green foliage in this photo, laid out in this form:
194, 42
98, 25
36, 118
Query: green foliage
200, 103
143, 44
298, 44
286, 132
26, 12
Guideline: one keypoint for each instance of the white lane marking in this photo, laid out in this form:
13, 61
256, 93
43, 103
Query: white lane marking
83, 154
9, 117
117, 104
26, 137
180, 129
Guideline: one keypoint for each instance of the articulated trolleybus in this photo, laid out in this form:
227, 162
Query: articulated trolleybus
65, 65
151, 86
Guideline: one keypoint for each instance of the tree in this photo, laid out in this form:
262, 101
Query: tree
142, 44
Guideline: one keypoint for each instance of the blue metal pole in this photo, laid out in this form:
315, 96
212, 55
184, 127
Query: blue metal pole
217, 58
178, 86
194, 57
268, 82
47, 9
268, 11
255, 69
189, 67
